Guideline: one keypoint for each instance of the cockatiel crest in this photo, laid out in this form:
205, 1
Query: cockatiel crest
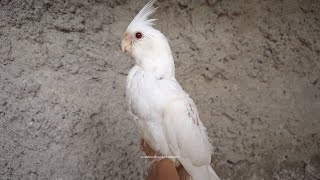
165, 114
141, 19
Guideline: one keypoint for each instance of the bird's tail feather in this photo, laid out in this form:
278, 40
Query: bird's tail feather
213, 174
199, 172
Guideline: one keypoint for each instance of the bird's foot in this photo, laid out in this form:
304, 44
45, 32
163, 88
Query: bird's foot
176, 162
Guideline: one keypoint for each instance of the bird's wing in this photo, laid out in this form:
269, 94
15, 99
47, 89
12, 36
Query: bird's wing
184, 131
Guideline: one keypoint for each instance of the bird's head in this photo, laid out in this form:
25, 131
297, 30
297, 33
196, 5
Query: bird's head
141, 40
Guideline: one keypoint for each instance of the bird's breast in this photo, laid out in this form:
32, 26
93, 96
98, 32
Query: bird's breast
143, 92
145, 102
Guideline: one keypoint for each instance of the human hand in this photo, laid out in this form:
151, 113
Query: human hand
182, 173
147, 149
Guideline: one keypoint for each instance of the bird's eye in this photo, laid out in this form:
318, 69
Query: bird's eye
138, 35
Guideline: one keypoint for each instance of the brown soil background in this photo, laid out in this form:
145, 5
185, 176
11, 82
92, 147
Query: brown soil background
252, 67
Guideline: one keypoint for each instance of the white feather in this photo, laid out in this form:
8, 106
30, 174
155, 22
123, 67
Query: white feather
141, 19
166, 116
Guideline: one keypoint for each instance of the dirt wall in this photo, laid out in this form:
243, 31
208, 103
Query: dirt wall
252, 67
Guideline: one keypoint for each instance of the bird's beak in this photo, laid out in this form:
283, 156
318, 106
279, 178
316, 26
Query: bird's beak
126, 43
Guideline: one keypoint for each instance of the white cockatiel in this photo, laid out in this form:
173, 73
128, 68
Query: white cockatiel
165, 114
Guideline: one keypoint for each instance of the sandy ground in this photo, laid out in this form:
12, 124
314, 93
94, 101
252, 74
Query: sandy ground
252, 67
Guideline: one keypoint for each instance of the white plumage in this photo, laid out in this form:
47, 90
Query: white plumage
166, 116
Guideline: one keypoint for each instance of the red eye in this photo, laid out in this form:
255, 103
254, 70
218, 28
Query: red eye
138, 35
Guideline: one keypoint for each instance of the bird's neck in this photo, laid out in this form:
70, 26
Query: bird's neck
161, 66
